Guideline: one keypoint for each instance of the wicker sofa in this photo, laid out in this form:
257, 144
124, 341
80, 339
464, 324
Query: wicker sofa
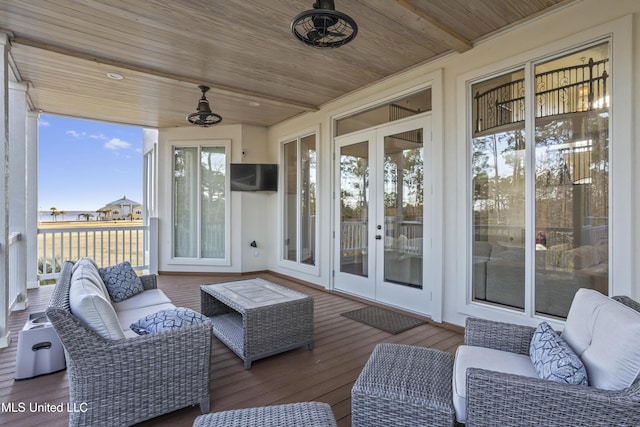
124, 378
604, 333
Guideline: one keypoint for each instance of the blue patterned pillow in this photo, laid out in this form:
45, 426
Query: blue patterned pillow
553, 359
167, 319
121, 281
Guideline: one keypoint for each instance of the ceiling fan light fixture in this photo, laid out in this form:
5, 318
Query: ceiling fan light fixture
204, 116
323, 26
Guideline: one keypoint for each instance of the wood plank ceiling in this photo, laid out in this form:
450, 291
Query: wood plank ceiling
242, 49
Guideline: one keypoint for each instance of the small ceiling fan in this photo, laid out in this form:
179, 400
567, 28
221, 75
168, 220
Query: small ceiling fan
204, 116
323, 26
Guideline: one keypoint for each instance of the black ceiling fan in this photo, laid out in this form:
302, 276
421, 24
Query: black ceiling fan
323, 26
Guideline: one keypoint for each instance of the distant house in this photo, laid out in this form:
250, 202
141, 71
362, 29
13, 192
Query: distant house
120, 209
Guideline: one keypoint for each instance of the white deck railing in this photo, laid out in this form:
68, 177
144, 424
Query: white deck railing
408, 240
105, 245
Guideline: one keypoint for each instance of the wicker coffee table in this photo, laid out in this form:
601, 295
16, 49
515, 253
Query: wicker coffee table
256, 318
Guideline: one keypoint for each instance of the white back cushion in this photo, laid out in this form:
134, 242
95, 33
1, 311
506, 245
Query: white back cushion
605, 335
88, 304
87, 268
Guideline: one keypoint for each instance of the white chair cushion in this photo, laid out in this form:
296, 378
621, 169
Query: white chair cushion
605, 334
582, 314
484, 358
144, 299
90, 306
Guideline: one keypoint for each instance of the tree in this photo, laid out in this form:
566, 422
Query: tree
86, 216
130, 215
54, 213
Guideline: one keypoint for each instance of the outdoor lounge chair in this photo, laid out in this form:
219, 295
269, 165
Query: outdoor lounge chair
493, 381
611, 333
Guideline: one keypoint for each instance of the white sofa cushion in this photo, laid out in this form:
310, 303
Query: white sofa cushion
144, 299
605, 334
88, 269
89, 305
484, 358
127, 317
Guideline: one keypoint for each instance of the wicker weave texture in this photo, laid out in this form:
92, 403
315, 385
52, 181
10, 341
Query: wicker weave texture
122, 382
404, 385
307, 414
498, 335
499, 399
262, 331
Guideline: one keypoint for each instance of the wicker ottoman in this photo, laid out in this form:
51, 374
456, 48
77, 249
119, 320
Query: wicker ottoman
404, 385
314, 414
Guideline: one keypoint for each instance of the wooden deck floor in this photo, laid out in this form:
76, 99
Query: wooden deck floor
326, 373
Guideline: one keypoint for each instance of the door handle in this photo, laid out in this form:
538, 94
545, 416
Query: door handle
378, 237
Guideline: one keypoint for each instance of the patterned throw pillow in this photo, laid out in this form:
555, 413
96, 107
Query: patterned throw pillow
167, 319
121, 281
553, 359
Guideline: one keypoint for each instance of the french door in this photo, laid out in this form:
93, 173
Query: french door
382, 214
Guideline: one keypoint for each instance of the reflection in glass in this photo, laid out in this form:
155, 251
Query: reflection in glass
498, 197
290, 200
354, 208
572, 178
567, 246
408, 106
308, 199
185, 202
403, 208
212, 202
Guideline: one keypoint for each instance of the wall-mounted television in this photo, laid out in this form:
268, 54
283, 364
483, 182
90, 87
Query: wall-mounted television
254, 177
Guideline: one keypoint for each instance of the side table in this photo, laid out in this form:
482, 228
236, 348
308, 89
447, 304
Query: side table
39, 348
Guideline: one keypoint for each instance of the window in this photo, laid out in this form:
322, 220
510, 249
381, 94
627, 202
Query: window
299, 200
200, 208
541, 197
408, 106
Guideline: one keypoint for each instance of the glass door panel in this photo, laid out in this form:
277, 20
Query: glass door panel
403, 184
354, 209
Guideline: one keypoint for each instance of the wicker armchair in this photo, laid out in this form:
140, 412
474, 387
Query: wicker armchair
498, 399
122, 382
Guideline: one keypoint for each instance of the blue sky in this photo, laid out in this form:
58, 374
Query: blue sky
83, 165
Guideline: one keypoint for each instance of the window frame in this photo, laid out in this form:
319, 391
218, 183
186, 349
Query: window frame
617, 34
226, 260
312, 269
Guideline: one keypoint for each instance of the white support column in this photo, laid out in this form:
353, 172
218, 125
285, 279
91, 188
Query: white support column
5, 334
18, 186
31, 238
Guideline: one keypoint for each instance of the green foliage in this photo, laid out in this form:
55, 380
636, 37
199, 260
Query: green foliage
46, 267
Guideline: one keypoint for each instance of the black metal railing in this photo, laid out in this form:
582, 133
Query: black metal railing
562, 91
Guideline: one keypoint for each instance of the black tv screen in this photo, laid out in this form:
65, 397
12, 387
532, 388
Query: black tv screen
254, 177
